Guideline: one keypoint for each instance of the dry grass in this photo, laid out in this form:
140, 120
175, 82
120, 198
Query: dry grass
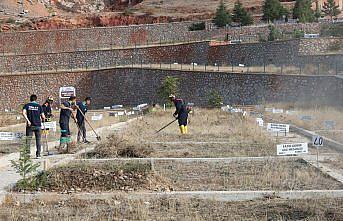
177, 8
122, 208
236, 137
9, 119
277, 174
105, 176
318, 114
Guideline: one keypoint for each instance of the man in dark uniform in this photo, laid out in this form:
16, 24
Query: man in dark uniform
65, 114
33, 115
80, 116
181, 113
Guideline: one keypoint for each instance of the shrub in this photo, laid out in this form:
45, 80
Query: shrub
298, 33
197, 26
215, 99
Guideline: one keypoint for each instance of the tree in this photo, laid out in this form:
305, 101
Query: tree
331, 9
274, 33
240, 15
222, 17
303, 11
26, 168
170, 85
272, 10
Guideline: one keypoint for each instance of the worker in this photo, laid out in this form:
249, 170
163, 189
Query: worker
47, 108
33, 114
67, 109
181, 113
47, 113
80, 116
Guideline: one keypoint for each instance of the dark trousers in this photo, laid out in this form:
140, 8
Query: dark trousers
183, 119
65, 131
29, 132
82, 131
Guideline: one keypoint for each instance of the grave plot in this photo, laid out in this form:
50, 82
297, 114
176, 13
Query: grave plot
146, 169
96, 177
253, 174
182, 175
121, 207
212, 133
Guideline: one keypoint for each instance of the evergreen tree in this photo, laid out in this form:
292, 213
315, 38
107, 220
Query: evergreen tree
331, 9
272, 10
170, 85
26, 168
240, 15
274, 33
222, 17
303, 11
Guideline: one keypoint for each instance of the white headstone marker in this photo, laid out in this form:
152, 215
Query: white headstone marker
275, 127
292, 149
9, 136
97, 117
259, 121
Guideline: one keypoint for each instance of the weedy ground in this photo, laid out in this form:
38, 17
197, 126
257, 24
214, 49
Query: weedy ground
313, 118
122, 208
212, 133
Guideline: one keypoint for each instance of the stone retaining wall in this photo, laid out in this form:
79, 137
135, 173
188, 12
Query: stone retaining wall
279, 53
29, 42
131, 86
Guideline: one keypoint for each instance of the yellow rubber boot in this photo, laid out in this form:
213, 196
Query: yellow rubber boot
186, 129
182, 129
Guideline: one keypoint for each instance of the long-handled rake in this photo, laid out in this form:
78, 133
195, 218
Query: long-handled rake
96, 134
166, 126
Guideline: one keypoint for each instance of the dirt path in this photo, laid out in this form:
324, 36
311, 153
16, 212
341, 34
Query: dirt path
209, 195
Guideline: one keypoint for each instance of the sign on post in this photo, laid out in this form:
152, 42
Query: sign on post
317, 141
292, 149
8, 136
66, 92
274, 127
50, 125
